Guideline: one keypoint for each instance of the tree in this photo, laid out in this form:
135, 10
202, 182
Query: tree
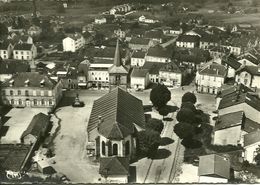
3, 30
189, 105
159, 96
184, 130
148, 142
257, 159
186, 115
189, 97
155, 124
164, 111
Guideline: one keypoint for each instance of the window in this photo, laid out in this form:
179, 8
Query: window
20, 102
49, 93
3, 92
42, 101
19, 92
4, 52
22, 52
12, 101
28, 53
103, 148
95, 78
202, 77
50, 102
28, 57
34, 102
214, 78
26, 93
99, 78
16, 52
11, 92
127, 148
115, 149
34, 93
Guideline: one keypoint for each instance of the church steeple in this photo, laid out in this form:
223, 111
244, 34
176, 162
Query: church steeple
117, 58
117, 72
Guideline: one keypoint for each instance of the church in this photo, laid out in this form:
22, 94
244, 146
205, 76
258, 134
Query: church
114, 122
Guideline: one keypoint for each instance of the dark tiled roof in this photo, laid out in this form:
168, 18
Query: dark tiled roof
251, 138
255, 61
139, 72
23, 46
34, 80
250, 126
232, 62
229, 120
240, 88
108, 52
37, 126
209, 38
119, 111
138, 54
12, 67
158, 34
103, 61
170, 67
213, 69
12, 157
159, 52
253, 70
114, 166
188, 38
139, 41
214, 165
153, 67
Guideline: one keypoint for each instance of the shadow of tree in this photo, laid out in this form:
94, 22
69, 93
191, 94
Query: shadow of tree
172, 108
66, 101
167, 119
161, 154
191, 143
132, 171
166, 141
148, 108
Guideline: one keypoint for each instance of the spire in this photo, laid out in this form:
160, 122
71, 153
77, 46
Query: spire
117, 59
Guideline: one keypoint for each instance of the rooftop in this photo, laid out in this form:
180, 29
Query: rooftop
229, 120
118, 111
153, 67
251, 138
139, 41
138, 54
139, 72
213, 69
114, 166
188, 38
13, 67
23, 46
214, 166
170, 67
159, 52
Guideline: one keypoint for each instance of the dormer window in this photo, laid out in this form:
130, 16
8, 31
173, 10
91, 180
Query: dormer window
42, 83
11, 83
26, 83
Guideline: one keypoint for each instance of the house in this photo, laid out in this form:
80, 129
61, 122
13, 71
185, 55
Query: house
36, 129
251, 145
171, 75
14, 158
217, 52
197, 32
176, 30
34, 30
246, 101
10, 68
139, 78
243, 28
156, 36
120, 8
135, 33
249, 76
140, 44
100, 20
188, 41
6, 50
208, 40
73, 42
31, 89
158, 54
214, 168
148, 20
114, 169
138, 58
227, 130
249, 60
121, 33
24, 51
153, 68
114, 122
210, 78
232, 64
20, 39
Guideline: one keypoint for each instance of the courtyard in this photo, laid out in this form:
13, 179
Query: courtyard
70, 142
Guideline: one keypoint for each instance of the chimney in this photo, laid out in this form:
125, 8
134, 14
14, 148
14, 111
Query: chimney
26, 83
11, 83
100, 120
42, 83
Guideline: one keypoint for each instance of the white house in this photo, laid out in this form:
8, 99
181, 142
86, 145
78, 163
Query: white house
34, 30
138, 58
251, 146
232, 64
73, 42
144, 19
100, 20
139, 78
158, 54
187, 41
214, 168
249, 76
24, 51
6, 50
170, 75
210, 78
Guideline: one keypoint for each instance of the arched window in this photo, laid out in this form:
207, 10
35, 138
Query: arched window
127, 148
115, 149
103, 148
26, 93
11, 92
34, 102
42, 101
20, 102
19, 92
12, 101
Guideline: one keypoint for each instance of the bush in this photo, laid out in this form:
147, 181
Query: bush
189, 105
164, 111
159, 96
155, 124
186, 115
224, 148
184, 130
189, 97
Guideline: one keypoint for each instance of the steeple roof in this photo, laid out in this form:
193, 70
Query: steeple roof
117, 58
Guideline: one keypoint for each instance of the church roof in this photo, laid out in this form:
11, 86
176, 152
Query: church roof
116, 113
114, 166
